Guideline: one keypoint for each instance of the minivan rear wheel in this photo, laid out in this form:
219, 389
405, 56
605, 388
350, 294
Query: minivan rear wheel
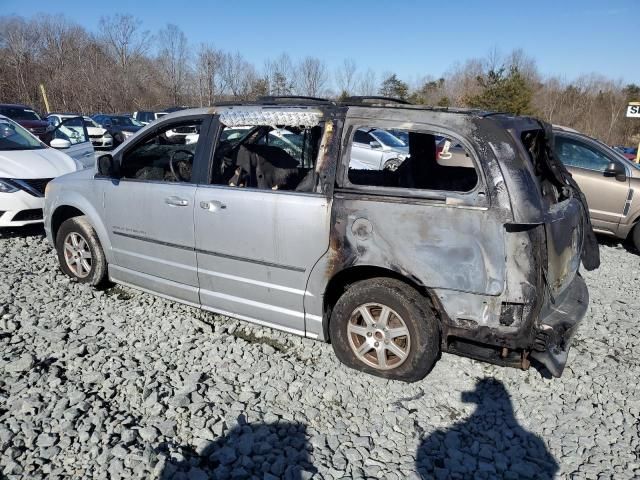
79, 251
384, 327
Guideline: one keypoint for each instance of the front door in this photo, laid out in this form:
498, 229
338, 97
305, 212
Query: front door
75, 132
149, 214
606, 195
256, 243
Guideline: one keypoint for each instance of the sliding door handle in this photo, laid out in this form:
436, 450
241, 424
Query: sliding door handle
176, 201
212, 205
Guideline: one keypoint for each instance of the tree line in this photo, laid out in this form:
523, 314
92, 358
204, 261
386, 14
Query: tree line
123, 68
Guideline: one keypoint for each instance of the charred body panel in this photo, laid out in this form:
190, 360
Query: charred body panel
492, 265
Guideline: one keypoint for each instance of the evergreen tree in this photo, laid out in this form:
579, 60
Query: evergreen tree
393, 87
503, 92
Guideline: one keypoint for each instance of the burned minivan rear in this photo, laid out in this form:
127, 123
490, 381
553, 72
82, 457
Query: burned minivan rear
560, 209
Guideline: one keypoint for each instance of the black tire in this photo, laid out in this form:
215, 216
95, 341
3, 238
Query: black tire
635, 236
423, 343
392, 164
80, 226
118, 138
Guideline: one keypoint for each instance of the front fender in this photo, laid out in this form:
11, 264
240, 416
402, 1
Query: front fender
62, 197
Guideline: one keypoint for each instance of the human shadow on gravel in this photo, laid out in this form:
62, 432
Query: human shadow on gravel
249, 450
490, 441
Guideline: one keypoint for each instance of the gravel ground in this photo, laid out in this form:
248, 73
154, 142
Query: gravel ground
121, 384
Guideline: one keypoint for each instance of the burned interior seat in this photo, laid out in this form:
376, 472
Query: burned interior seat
265, 167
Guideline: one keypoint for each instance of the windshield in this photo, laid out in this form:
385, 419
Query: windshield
124, 122
19, 113
14, 137
234, 135
90, 123
387, 139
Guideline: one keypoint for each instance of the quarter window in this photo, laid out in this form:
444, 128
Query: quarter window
407, 159
165, 156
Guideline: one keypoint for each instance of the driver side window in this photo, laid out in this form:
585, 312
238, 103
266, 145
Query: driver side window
167, 155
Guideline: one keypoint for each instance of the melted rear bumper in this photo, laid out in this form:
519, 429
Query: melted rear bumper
558, 324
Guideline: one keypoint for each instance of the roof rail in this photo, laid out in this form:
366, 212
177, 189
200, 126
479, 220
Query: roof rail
364, 98
278, 98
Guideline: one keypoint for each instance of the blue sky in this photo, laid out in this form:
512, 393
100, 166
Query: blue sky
411, 38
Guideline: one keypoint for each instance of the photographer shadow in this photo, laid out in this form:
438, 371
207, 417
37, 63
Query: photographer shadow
249, 450
489, 442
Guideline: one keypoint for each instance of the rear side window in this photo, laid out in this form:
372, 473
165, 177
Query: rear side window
267, 157
408, 159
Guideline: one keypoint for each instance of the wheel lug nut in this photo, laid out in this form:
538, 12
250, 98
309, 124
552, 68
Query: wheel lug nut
377, 344
368, 334
386, 342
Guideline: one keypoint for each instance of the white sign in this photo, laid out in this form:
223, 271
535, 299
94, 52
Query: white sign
633, 110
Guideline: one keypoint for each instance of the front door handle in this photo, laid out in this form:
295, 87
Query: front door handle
176, 201
88, 154
212, 205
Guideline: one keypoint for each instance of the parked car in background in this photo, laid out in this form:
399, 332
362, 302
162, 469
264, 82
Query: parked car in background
180, 134
281, 224
99, 136
609, 180
378, 149
25, 116
71, 135
26, 166
630, 153
120, 127
147, 117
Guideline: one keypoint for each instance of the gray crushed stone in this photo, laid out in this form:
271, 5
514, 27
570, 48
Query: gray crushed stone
122, 384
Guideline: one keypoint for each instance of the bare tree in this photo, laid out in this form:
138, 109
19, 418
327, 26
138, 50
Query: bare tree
367, 83
126, 43
239, 75
173, 59
18, 40
346, 77
123, 38
208, 67
312, 76
280, 74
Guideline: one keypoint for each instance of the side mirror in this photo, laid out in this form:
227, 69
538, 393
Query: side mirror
375, 144
60, 143
614, 169
108, 167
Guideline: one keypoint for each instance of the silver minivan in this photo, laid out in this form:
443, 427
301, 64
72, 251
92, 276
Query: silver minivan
392, 266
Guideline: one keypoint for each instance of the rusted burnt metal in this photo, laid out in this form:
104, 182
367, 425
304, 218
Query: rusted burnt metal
479, 256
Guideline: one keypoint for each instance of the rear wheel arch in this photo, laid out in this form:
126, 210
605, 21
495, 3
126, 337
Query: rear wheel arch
341, 281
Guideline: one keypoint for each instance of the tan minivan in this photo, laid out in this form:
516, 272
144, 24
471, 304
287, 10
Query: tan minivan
607, 179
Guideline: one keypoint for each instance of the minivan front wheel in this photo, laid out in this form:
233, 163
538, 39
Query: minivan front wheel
79, 251
384, 327
635, 236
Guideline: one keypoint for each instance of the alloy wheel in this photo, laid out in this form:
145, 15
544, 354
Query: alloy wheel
77, 254
378, 336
